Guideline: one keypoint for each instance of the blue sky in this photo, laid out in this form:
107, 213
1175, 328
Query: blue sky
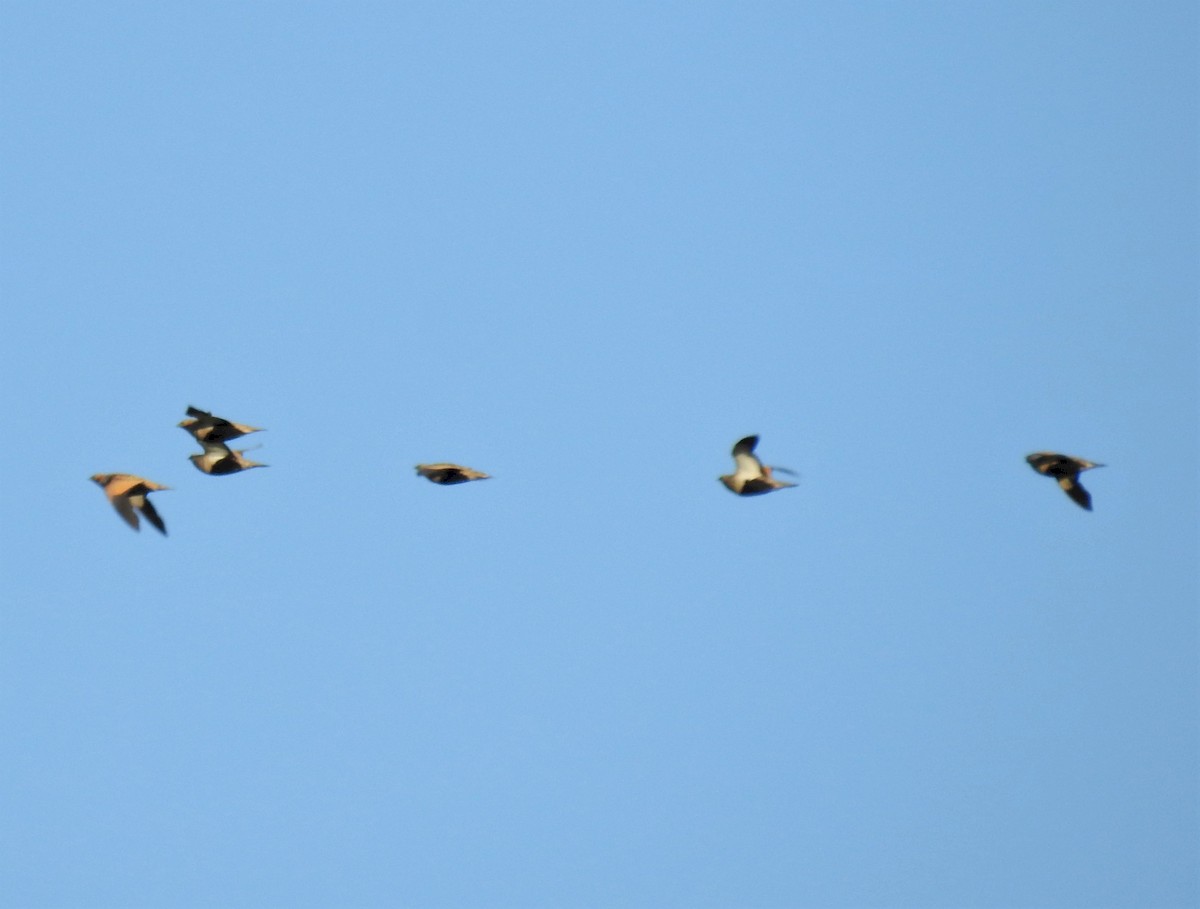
585, 249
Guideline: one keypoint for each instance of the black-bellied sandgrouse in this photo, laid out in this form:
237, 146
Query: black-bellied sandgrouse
219, 459
750, 476
1066, 470
205, 427
450, 474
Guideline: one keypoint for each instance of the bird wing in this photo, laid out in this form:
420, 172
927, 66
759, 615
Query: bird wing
744, 446
1078, 494
125, 509
152, 516
747, 466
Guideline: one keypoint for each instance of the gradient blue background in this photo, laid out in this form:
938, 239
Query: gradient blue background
585, 249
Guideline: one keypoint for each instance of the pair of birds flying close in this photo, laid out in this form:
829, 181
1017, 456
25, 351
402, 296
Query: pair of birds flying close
128, 493
212, 433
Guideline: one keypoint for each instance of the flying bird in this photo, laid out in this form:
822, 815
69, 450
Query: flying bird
219, 459
750, 476
1066, 470
450, 474
126, 493
205, 427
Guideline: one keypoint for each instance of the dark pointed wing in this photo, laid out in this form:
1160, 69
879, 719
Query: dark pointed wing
745, 446
152, 517
1078, 494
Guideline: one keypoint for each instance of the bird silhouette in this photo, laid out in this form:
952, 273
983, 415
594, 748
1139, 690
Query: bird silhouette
219, 459
1066, 470
450, 474
205, 427
750, 476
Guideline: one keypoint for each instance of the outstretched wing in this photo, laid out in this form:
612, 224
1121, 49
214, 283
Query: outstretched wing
744, 446
125, 509
747, 465
152, 516
1078, 494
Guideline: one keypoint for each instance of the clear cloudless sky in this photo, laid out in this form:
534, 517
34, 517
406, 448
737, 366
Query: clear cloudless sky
585, 248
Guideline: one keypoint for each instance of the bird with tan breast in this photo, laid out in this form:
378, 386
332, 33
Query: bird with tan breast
204, 427
127, 494
219, 459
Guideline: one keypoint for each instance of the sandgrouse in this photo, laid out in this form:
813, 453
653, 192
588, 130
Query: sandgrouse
205, 427
750, 476
450, 474
126, 493
1066, 470
219, 459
